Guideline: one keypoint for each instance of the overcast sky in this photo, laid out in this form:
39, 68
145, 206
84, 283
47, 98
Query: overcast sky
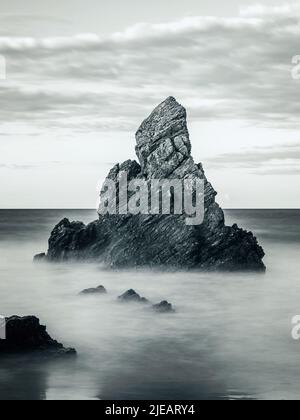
83, 74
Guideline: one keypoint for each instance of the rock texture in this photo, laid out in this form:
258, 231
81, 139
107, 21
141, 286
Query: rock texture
26, 335
94, 291
39, 257
164, 241
163, 307
131, 296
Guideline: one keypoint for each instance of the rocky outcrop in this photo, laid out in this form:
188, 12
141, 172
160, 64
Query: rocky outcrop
131, 296
26, 335
163, 307
39, 257
159, 240
100, 290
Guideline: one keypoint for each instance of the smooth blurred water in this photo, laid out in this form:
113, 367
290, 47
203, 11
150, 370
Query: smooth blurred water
229, 338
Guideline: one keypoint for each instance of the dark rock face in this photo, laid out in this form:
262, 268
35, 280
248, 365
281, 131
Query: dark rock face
26, 335
94, 291
164, 241
132, 296
163, 144
39, 257
163, 307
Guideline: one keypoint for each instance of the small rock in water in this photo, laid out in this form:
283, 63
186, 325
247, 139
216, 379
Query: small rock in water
26, 335
94, 291
39, 257
132, 296
163, 307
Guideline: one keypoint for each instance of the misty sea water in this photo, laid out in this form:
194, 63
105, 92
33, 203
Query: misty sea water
230, 337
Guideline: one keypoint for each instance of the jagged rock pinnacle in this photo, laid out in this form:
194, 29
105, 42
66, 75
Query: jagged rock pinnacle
127, 240
163, 142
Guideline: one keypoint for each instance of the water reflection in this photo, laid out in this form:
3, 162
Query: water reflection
23, 379
165, 370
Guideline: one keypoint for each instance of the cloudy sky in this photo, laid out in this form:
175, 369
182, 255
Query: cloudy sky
82, 74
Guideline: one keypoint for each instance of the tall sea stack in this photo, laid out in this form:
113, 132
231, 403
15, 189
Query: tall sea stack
163, 241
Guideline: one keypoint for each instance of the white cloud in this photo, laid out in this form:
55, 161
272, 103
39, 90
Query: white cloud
240, 68
220, 68
282, 159
260, 10
76, 99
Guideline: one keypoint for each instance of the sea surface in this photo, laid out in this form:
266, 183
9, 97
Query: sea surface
230, 337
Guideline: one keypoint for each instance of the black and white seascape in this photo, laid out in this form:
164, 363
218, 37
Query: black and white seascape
149, 201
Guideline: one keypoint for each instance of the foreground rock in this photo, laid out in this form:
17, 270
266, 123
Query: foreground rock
40, 257
132, 296
163, 241
163, 307
94, 291
26, 335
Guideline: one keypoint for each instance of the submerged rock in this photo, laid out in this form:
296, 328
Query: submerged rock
95, 290
26, 335
163, 307
132, 296
158, 240
40, 257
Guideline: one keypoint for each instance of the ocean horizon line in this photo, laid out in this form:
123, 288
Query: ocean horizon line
91, 209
